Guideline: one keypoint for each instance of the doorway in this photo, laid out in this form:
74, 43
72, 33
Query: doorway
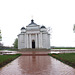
33, 43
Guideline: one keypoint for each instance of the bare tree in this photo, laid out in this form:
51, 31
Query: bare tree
74, 28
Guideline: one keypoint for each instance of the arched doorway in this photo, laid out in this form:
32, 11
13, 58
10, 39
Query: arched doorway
33, 43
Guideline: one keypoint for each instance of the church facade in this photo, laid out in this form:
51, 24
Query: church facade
33, 36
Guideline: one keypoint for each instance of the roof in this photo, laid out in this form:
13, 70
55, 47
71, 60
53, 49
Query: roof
32, 22
22, 28
43, 27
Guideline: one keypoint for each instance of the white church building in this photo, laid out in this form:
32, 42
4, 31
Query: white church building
34, 36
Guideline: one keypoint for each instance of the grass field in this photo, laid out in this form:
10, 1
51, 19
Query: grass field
10, 49
4, 59
63, 47
68, 58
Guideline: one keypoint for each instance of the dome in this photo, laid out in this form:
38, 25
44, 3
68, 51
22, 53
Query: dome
43, 27
32, 22
22, 28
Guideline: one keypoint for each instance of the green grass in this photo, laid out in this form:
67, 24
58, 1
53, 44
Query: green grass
68, 58
4, 59
10, 49
63, 48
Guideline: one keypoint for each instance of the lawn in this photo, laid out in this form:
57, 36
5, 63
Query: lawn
68, 58
4, 59
63, 48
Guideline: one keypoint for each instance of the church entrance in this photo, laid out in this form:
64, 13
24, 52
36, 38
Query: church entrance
33, 43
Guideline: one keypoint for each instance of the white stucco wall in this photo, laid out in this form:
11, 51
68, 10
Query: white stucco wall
21, 41
34, 32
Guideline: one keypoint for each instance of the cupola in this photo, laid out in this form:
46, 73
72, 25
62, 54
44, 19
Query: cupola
43, 28
32, 22
23, 30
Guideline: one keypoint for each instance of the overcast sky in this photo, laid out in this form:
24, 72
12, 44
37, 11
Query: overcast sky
57, 14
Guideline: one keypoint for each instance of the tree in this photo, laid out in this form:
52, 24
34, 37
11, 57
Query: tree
0, 36
15, 43
74, 28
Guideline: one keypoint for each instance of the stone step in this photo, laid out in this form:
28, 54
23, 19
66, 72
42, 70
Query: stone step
34, 54
38, 49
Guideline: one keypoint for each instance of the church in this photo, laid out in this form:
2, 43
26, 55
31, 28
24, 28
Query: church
34, 36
